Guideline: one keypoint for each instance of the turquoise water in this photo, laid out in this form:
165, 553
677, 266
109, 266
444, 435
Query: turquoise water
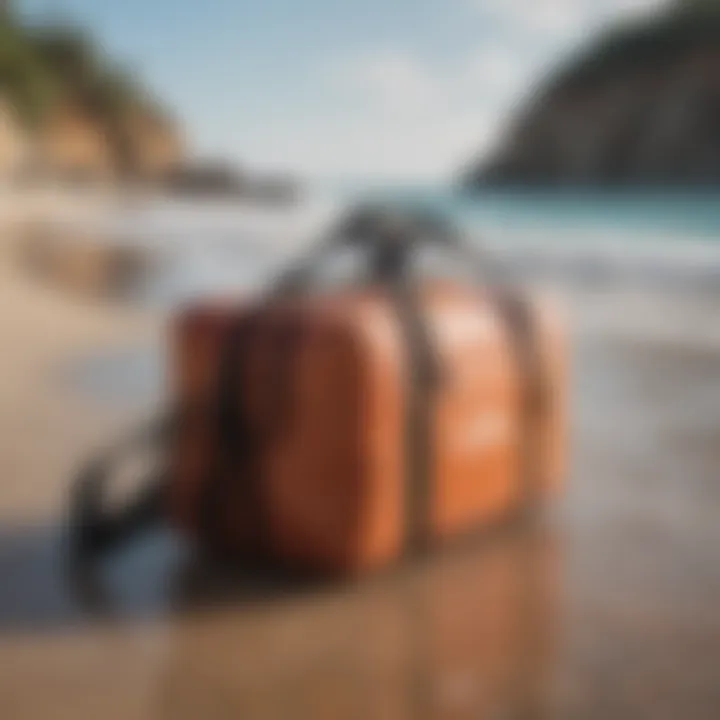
680, 214
206, 247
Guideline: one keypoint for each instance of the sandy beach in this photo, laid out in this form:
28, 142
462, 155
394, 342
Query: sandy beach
153, 154
607, 608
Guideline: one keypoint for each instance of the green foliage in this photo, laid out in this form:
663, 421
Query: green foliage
697, 5
23, 77
40, 67
689, 25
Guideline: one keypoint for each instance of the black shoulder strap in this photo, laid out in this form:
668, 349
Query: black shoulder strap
94, 529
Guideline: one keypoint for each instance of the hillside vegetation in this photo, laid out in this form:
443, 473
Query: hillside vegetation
640, 106
62, 88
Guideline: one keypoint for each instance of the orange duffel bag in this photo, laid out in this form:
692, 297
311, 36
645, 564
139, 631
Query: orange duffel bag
334, 429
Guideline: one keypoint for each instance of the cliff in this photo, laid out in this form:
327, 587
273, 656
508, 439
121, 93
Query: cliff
641, 106
68, 111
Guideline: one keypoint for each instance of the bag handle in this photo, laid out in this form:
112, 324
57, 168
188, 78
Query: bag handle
390, 239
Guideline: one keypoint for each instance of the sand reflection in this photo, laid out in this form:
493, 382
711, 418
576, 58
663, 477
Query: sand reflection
469, 633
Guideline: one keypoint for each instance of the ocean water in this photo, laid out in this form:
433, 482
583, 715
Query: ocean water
647, 214
642, 266
663, 238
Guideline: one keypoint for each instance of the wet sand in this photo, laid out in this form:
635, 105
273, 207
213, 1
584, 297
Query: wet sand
609, 607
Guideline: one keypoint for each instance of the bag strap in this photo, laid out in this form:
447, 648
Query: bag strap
242, 440
424, 377
517, 313
95, 530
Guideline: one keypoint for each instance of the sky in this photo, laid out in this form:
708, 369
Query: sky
386, 89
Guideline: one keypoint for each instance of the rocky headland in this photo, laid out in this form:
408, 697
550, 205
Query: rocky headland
639, 107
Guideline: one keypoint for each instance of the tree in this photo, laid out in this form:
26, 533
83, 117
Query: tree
698, 5
23, 77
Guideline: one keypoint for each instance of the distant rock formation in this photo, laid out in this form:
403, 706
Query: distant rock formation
68, 113
72, 144
641, 107
217, 178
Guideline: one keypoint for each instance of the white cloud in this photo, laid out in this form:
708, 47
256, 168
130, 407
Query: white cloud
561, 19
402, 114
396, 81
430, 146
494, 69
391, 78
405, 115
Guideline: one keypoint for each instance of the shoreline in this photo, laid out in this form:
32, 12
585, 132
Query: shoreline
622, 565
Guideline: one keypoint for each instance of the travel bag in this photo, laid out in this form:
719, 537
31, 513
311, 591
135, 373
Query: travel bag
333, 428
